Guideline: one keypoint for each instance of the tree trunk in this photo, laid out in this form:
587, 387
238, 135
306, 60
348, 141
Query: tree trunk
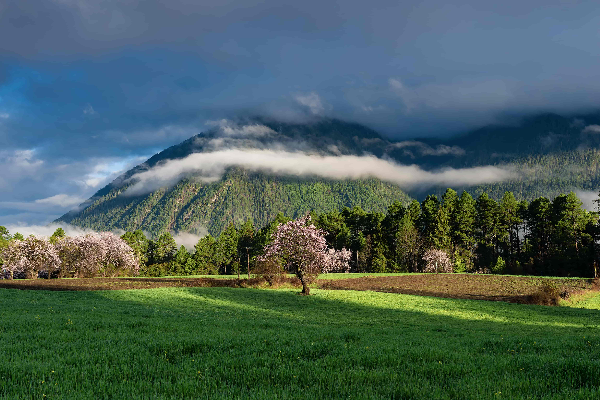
305, 288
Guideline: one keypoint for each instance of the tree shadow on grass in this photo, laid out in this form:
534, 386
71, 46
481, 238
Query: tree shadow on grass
342, 344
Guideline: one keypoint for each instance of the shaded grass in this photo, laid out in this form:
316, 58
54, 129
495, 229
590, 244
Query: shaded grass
248, 343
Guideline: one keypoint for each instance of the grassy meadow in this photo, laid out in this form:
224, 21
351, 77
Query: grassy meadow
212, 343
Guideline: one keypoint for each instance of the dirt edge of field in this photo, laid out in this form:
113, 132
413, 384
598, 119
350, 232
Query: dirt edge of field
513, 289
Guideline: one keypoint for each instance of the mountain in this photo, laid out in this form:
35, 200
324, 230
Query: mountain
550, 154
199, 206
546, 155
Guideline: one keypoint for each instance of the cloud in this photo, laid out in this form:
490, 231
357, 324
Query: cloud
591, 129
426, 150
89, 110
36, 191
232, 129
588, 198
188, 240
211, 166
47, 230
312, 101
62, 200
4, 115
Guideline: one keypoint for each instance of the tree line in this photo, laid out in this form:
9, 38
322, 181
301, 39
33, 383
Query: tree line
461, 233
541, 237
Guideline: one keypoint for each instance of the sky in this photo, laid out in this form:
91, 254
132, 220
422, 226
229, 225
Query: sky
89, 89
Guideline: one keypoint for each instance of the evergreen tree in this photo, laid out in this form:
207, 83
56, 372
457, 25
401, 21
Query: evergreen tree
407, 252
463, 231
205, 256
139, 243
428, 220
58, 234
181, 264
337, 232
227, 250
246, 244
510, 223
487, 230
540, 230
355, 219
162, 250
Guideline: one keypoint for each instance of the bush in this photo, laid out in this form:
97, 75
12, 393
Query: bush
549, 294
270, 270
499, 267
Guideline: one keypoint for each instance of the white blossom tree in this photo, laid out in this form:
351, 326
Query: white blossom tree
79, 256
437, 261
30, 256
96, 254
302, 249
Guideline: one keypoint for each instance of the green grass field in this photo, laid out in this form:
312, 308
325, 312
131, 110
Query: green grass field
246, 343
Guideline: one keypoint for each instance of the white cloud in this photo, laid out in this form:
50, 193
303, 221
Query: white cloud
89, 110
211, 166
312, 101
588, 198
62, 200
230, 128
591, 129
426, 150
4, 115
46, 230
188, 240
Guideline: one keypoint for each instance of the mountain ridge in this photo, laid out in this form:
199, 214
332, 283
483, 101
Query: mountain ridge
539, 141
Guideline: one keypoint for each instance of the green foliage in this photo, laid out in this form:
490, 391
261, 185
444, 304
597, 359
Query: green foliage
139, 243
542, 238
183, 262
499, 266
162, 250
58, 234
205, 256
191, 206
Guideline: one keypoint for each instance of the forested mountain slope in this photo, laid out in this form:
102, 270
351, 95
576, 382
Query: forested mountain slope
549, 154
197, 206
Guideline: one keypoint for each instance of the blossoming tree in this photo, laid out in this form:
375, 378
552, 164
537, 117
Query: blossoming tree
26, 258
302, 249
79, 256
96, 254
437, 260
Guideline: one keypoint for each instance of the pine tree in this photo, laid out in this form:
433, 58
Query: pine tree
487, 230
463, 230
227, 250
205, 256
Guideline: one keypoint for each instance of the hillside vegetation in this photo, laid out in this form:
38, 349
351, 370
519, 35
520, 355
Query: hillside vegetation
549, 154
196, 207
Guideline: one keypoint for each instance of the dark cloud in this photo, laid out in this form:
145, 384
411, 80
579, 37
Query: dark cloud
117, 79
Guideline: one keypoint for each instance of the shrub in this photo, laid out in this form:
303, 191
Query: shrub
499, 266
549, 294
270, 270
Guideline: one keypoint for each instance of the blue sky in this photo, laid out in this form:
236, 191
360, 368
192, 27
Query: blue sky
90, 88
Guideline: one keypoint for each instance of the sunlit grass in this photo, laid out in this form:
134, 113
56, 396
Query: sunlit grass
249, 343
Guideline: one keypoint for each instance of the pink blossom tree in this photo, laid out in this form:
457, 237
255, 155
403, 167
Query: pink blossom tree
96, 254
337, 261
437, 260
302, 249
80, 256
30, 256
